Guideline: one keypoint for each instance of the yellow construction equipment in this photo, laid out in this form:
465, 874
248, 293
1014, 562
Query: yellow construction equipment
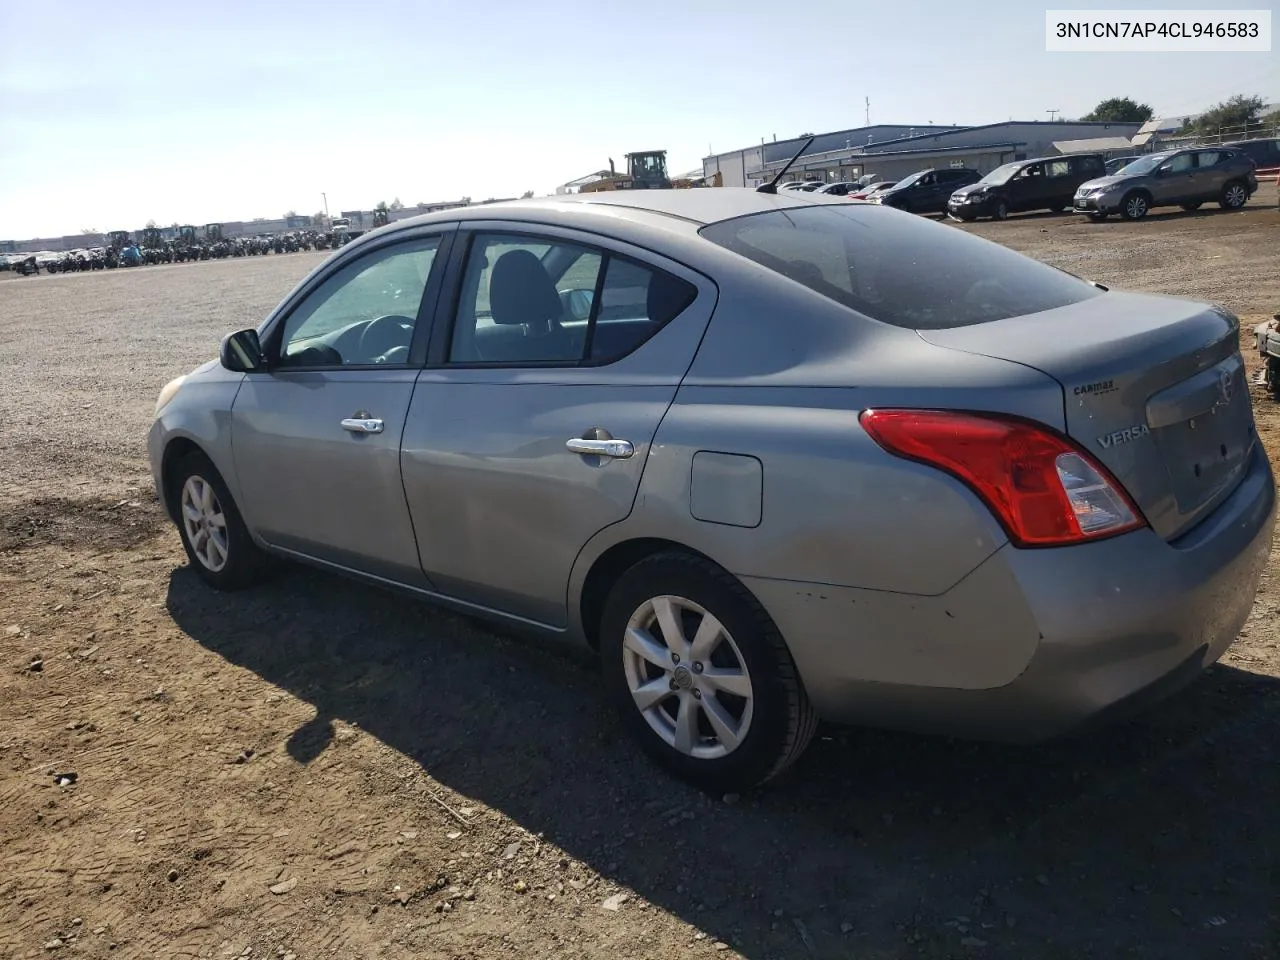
646, 170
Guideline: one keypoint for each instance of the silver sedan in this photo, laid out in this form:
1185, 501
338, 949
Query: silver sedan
776, 457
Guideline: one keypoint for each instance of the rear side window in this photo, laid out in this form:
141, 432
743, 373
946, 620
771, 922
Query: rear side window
525, 300
898, 268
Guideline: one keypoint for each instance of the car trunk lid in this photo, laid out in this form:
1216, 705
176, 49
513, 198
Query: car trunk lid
1153, 387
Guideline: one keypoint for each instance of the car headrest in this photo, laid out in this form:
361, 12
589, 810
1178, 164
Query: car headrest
521, 291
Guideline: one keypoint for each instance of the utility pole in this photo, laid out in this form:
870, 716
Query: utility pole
868, 104
1052, 114
324, 197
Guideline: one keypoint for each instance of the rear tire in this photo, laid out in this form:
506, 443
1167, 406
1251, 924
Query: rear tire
1135, 206
1234, 196
219, 548
719, 703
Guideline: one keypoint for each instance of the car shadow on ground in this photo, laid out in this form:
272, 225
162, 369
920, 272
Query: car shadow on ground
1156, 838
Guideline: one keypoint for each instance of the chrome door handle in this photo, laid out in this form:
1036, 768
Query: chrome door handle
362, 425
617, 449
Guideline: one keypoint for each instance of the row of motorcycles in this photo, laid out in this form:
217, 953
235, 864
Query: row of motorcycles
176, 251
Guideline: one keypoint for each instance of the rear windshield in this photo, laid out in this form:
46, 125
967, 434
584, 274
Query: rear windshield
898, 268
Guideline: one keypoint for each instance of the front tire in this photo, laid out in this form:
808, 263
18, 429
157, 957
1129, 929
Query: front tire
1135, 206
701, 675
1001, 211
219, 548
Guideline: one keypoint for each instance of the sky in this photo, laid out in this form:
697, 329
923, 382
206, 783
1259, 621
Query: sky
114, 114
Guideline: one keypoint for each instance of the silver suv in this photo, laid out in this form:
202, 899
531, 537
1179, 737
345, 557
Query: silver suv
1186, 178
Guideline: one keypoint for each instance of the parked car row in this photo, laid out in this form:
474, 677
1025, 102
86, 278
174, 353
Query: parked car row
1087, 183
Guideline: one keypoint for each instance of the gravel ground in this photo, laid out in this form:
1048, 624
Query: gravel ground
309, 770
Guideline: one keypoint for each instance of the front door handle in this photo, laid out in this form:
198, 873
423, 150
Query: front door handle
362, 425
617, 449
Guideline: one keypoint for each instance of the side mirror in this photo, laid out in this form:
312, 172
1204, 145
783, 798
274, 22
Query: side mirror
1163, 171
579, 302
241, 352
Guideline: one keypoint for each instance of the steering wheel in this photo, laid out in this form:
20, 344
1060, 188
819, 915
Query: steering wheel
382, 335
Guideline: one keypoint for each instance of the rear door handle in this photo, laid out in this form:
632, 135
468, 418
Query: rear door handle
362, 425
617, 449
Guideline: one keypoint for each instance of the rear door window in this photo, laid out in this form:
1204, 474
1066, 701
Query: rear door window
898, 269
1209, 158
525, 300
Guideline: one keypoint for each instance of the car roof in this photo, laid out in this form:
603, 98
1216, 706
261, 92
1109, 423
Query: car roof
700, 206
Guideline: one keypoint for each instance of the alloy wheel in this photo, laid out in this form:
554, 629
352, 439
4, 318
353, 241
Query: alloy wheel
204, 523
687, 677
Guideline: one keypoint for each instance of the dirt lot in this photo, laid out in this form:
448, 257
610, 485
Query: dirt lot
310, 770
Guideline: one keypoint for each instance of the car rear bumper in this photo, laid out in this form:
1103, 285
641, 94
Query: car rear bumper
1034, 642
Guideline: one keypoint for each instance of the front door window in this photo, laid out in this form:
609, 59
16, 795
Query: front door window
363, 315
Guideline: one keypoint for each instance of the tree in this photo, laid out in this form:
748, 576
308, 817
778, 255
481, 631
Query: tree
1237, 114
1120, 110
396, 204
290, 213
151, 224
381, 207
89, 231
317, 219
528, 194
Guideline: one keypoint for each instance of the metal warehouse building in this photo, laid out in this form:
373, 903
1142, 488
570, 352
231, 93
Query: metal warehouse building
894, 152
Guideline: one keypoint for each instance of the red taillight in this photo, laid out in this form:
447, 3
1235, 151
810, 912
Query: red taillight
1044, 489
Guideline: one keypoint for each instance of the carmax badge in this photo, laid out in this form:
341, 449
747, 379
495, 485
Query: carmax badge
1126, 435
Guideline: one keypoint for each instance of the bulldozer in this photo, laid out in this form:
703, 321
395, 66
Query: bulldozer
646, 170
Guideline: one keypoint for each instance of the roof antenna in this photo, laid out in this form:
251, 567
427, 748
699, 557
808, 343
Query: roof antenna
772, 185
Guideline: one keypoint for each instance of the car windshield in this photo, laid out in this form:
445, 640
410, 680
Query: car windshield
908, 181
1145, 164
1001, 175
898, 268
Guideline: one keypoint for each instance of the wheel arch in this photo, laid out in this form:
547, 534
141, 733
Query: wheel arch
609, 566
175, 451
